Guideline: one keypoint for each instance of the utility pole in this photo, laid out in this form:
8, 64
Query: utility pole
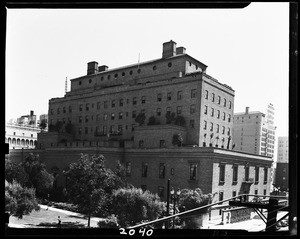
168, 203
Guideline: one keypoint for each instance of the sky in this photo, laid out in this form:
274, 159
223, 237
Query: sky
246, 49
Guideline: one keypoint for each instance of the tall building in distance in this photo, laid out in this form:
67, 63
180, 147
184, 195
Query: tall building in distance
281, 176
28, 119
254, 132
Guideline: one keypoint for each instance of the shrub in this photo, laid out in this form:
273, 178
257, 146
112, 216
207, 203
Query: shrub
109, 222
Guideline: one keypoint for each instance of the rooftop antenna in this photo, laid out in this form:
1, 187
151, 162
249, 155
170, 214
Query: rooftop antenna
66, 86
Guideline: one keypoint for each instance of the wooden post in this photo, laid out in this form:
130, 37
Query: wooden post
272, 215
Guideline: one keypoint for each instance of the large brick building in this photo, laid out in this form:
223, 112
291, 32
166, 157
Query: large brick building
282, 165
104, 103
102, 107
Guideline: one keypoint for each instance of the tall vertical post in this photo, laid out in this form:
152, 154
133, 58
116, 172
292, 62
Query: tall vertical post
168, 203
272, 215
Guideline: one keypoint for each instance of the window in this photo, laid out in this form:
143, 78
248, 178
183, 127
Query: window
132, 127
246, 172
162, 169
212, 112
219, 99
162, 143
113, 103
211, 126
158, 112
51, 111
169, 110
133, 114
218, 128
205, 124
222, 173
134, 101
143, 99
87, 107
193, 93
192, 124
265, 175
97, 117
112, 116
206, 94
104, 117
205, 109
228, 131
193, 109
104, 130
64, 109
230, 105
86, 118
141, 143
229, 118
79, 131
218, 114
221, 196
144, 169
233, 193
179, 95
178, 110
213, 97
121, 102
224, 116
120, 129
112, 129
120, 115
154, 68
256, 174
86, 130
169, 64
80, 119
128, 169
193, 171
161, 191
223, 129
58, 111
169, 96
235, 174
224, 102
105, 105
79, 83
159, 97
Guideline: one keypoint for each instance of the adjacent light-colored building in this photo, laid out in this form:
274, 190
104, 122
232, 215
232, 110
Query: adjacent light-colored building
254, 132
21, 136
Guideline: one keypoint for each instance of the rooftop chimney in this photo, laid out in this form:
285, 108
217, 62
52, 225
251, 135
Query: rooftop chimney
31, 112
247, 110
102, 68
180, 50
169, 49
92, 68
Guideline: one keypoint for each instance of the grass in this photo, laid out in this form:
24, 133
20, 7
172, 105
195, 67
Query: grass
48, 218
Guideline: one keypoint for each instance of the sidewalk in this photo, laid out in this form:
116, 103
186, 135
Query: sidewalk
69, 212
252, 225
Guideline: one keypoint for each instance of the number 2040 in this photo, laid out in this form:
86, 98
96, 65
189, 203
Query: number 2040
131, 232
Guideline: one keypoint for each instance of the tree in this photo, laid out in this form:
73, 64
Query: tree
15, 172
38, 177
58, 126
177, 140
140, 119
69, 128
92, 184
19, 200
170, 117
152, 121
132, 206
190, 199
180, 120
43, 124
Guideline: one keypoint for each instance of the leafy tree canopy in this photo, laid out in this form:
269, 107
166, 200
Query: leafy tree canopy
140, 119
19, 200
14, 171
132, 206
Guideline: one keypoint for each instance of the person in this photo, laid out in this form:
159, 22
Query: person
59, 222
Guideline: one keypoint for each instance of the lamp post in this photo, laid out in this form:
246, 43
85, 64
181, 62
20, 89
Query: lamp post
174, 197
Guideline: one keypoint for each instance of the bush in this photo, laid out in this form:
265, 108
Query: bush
109, 222
65, 206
